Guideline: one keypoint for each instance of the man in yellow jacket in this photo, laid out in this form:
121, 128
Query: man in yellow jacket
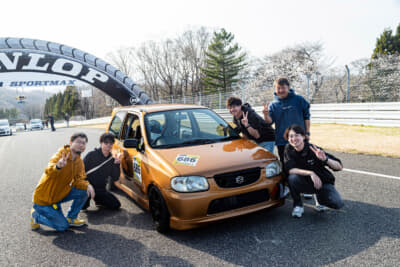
63, 180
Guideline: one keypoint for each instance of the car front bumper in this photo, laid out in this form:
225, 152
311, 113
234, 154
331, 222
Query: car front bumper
190, 210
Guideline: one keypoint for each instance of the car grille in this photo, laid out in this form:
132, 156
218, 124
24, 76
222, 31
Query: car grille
238, 201
238, 178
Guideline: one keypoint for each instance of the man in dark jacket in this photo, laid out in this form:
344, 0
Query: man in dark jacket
249, 123
306, 165
51, 118
287, 109
109, 167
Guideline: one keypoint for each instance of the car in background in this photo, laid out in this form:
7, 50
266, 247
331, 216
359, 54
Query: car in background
188, 167
5, 128
35, 124
19, 127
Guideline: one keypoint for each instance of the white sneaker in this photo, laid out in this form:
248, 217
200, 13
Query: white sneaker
297, 211
308, 196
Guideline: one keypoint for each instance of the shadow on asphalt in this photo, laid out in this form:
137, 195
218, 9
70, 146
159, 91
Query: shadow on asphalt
274, 238
113, 249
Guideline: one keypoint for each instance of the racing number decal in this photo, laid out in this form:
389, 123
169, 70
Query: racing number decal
189, 160
137, 171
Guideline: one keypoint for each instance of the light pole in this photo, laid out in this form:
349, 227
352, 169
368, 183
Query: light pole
308, 86
348, 83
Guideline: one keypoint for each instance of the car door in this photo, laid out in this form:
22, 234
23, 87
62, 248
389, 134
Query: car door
131, 160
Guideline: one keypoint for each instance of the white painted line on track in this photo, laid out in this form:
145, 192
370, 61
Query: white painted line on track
372, 173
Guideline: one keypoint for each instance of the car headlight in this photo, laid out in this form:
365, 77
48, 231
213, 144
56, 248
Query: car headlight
186, 184
273, 169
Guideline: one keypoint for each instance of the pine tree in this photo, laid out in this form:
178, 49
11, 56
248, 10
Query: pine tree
223, 63
387, 43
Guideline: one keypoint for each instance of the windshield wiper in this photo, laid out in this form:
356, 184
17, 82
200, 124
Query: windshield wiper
228, 138
199, 141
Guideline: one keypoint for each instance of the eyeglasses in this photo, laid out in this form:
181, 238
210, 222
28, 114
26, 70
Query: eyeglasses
80, 142
290, 136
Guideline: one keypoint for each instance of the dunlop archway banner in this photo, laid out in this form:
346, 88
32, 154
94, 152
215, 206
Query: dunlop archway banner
30, 55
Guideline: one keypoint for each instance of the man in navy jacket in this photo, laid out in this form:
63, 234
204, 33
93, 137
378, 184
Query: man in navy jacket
287, 109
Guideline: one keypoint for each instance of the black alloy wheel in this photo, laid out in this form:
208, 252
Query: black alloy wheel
158, 210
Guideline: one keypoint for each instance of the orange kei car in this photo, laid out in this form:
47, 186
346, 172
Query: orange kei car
187, 165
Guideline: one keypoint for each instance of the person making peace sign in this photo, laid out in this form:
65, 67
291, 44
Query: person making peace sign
251, 124
306, 165
63, 180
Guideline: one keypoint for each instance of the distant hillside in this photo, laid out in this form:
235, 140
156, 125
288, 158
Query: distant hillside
7, 98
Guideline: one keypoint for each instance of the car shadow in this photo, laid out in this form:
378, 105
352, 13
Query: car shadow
274, 238
113, 249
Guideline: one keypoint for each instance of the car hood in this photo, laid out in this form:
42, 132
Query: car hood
211, 159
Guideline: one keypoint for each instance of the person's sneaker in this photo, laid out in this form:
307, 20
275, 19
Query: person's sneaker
297, 211
308, 196
34, 225
284, 191
76, 222
320, 208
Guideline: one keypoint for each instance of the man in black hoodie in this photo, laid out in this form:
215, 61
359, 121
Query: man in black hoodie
99, 166
249, 123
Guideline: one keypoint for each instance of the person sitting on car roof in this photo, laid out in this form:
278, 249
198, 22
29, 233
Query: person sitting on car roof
306, 165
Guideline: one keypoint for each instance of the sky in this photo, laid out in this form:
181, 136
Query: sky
348, 29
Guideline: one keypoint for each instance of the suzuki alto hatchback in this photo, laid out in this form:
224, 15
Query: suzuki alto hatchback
188, 167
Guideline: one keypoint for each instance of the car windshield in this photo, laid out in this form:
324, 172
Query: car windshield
19, 124
36, 121
4, 123
186, 127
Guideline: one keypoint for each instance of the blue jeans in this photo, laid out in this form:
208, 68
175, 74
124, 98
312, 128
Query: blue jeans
268, 145
327, 195
54, 217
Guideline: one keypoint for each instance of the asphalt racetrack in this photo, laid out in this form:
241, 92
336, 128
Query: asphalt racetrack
366, 232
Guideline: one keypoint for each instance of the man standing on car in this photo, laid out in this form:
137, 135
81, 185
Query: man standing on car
249, 123
101, 166
63, 180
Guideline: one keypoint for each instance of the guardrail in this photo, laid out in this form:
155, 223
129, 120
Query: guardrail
373, 114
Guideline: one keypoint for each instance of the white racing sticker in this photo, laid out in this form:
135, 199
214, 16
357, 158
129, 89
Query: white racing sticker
137, 171
189, 160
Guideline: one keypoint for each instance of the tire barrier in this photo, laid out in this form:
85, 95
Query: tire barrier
31, 55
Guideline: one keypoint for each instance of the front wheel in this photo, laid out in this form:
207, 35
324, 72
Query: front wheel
159, 210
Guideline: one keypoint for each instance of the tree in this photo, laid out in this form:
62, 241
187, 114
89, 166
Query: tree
223, 63
387, 43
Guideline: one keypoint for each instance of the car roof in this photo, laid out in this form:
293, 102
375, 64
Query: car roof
157, 107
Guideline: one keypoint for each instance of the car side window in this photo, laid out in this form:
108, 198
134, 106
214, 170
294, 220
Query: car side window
116, 124
130, 126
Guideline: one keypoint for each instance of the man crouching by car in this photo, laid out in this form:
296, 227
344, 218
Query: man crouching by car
306, 165
63, 180
99, 166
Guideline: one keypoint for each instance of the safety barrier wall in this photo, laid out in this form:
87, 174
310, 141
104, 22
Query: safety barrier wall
373, 114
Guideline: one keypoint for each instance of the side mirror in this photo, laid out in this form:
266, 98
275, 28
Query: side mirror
131, 143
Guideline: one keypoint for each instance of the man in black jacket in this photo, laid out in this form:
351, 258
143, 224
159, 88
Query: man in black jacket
249, 123
306, 165
109, 167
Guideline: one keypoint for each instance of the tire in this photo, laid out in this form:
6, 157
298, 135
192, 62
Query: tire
120, 87
159, 211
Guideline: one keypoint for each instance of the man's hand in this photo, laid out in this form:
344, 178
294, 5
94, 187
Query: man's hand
316, 180
245, 121
318, 152
117, 159
90, 191
63, 161
265, 110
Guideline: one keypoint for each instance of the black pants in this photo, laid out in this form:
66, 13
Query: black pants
105, 199
327, 195
52, 126
281, 150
